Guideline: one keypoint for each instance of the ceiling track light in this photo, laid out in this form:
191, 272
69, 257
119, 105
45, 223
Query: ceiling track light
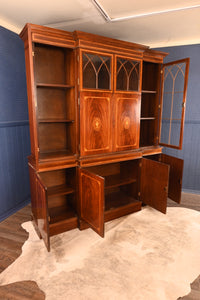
109, 19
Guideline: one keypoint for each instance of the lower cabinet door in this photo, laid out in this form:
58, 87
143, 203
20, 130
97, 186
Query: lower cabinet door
91, 196
43, 223
175, 176
39, 207
154, 184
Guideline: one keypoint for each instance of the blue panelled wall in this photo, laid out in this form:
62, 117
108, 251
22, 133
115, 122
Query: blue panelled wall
14, 128
191, 141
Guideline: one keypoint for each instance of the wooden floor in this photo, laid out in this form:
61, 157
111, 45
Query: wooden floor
13, 236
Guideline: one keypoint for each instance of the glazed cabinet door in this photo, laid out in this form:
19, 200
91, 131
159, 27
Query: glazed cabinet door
154, 184
126, 121
91, 197
173, 102
175, 176
95, 123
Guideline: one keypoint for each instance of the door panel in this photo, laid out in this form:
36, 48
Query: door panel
127, 122
154, 184
91, 195
173, 101
95, 123
42, 217
175, 176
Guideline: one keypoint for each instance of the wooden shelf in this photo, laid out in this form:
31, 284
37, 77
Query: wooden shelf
55, 155
59, 190
118, 204
61, 213
148, 92
54, 86
148, 118
115, 180
55, 121
118, 199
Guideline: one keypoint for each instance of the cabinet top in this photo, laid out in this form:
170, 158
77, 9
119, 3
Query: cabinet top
79, 39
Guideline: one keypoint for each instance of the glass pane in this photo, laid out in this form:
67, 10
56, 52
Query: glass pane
175, 132
128, 75
165, 132
96, 71
173, 92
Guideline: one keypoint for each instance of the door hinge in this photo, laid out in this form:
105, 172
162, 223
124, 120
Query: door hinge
161, 72
33, 53
159, 106
183, 104
140, 165
79, 101
78, 80
38, 149
139, 194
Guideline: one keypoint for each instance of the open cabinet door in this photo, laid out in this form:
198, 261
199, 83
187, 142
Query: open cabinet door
154, 184
175, 176
173, 101
91, 195
42, 219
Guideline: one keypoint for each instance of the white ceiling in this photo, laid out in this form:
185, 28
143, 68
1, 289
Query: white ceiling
154, 23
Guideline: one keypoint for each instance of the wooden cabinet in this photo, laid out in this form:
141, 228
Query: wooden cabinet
98, 109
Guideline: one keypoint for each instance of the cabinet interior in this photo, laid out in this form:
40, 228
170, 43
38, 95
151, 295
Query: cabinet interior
61, 195
149, 118
121, 183
56, 113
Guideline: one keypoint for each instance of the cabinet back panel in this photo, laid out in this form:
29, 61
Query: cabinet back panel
148, 105
53, 178
59, 177
52, 137
51, 103
150, 76
105, 170
147, 133
57, 201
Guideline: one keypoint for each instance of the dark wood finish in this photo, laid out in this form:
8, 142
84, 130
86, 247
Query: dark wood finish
175, 176
126, 122
118, 204
42, 218
93, 103
95, 123
154, 184
91, 193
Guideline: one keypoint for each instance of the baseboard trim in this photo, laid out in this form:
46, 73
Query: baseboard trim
191, 191
15, 209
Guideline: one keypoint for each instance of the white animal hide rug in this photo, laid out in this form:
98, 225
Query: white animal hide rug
144, 256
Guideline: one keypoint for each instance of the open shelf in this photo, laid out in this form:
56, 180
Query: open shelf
55, 155
55, 121
148, 92
115, 180
148, 118
118, 204
61, 213
59, 190
54, 85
